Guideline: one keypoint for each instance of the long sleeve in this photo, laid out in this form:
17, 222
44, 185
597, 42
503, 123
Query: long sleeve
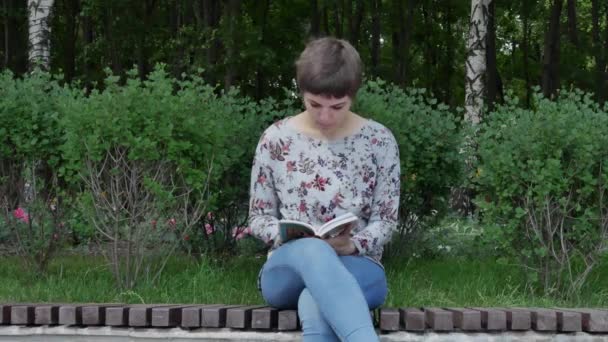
264, 202
385, 203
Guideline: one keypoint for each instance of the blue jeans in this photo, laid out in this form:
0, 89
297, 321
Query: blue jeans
333, 294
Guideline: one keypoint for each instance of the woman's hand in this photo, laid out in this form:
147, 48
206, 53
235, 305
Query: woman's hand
342, 243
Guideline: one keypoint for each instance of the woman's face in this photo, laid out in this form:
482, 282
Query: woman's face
328, 113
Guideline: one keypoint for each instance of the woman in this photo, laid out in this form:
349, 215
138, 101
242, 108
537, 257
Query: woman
312, 167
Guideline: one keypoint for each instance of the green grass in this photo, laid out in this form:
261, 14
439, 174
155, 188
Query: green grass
416, 283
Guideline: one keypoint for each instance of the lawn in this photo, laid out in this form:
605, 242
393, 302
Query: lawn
417, 282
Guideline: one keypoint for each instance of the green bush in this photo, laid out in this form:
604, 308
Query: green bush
431, 163
30, 134
542, 186
155, 157
30, 156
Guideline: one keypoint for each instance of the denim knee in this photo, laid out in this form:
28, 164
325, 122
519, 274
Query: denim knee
312, 250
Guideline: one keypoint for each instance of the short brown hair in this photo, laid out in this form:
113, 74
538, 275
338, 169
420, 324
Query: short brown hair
329, 66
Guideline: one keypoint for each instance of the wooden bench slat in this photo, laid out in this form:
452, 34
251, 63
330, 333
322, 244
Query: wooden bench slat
264, 318
5, 314
117, 316
215, 317
191, 315
22, 314
439, 319
412, 319
288, 320
70, 315
544, 319
240, 318
140, 315
46, 314
569, 321
492, 319
167, 317
389, 319
95, 314
518, 319
466, 319
593, 320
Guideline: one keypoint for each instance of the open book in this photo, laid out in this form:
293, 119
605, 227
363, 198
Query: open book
292, 229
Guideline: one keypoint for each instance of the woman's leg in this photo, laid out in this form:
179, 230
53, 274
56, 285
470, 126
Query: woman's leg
314, 325
313, 264
372, 281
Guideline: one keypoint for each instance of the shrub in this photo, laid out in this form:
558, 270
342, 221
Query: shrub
542, 182
30, 134
30, 158
429, 142
147, 152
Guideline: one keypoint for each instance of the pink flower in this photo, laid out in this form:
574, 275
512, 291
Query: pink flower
320, 182
209, 229
21, 215
374, 141
262, 179
240, 232
291, 166
302, 206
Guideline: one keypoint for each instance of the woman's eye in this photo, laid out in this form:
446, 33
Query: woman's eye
315, 105
337, 107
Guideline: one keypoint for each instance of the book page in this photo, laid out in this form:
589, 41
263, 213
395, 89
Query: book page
337, 224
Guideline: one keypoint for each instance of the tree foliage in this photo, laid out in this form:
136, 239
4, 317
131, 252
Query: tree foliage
253, 44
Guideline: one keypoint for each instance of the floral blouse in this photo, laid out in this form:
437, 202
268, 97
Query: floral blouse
298, 177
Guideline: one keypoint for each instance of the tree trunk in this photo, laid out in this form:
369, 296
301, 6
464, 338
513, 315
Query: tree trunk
402, 24
234, 13
550, 78
143, 63
71, 12
5, 35
354, 17
264, 8
375, 48
108, 33
476, 61
448, 65
525, 46
314, 19
39, 33
338, 16
572, 26
493, 81
212, 13
605, 57
326, 30
89, 37
599, 52
429, 51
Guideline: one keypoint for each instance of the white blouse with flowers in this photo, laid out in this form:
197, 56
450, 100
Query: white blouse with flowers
298, 177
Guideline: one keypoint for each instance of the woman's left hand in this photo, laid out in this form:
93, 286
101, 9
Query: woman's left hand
342, 243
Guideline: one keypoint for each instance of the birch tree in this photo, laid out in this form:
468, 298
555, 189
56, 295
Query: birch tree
39, 32
476, 60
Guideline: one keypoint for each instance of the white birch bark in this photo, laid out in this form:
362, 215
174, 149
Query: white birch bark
39, 33
476, 60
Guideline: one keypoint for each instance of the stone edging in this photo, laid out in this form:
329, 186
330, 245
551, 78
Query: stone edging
115, 334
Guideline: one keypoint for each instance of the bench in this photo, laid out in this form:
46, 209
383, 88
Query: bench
192, 317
